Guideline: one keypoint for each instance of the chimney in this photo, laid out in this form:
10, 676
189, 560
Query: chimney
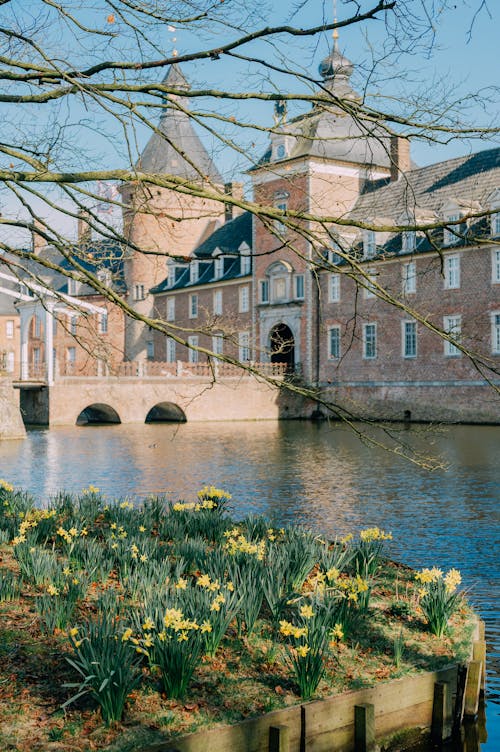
84, 229
37, 241
236, 190
400, 156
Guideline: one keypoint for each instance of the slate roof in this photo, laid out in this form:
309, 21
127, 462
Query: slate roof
466, 181
175, 148
227, 239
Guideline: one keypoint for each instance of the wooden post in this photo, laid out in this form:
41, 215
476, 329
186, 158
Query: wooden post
472, 689
441, 713
364, 727
479, 654
460, 698
279, 739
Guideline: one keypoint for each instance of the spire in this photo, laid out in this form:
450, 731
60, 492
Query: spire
335, 69
176, 148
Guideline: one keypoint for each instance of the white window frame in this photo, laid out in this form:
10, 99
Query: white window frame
9, 329
245, 263
370, 341
170, 350
71, 286
334, 288
70, 354
218, 344
150, 349
103, 322
193, 306
495, 332
495, 224
171, 308
452, 271
299, 286
334, 335
139, 292
194, 272
495, 265
280, 226
408, 241
218, 267
244, 299
407, 338
217, 302
369, 243
452, 324
409, 278
244, 347
368, 291
264, 291
193, 355
449, 236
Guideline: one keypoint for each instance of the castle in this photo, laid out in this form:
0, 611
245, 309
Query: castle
307, 282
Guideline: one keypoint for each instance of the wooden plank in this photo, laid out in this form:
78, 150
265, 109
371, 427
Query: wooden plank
473, 689
441, 713
479, 654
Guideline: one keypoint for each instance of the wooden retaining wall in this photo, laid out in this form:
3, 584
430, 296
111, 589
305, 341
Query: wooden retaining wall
353, 721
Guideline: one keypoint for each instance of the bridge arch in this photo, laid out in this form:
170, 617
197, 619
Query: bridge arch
166, 412
97, 413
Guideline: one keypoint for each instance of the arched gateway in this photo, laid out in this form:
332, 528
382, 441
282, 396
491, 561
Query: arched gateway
282, 345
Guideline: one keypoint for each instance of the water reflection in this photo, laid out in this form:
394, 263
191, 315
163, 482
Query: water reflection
317, 475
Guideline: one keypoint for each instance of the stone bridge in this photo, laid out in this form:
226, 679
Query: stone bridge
136, 396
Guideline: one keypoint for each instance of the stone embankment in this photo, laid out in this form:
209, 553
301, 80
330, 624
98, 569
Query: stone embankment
11, 423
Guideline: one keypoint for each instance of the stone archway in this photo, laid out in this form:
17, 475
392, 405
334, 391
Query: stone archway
282, 346
98, 414
166, 412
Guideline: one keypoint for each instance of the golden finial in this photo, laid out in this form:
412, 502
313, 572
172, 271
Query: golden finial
335, 34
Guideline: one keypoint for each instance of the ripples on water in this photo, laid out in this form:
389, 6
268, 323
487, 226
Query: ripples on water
317, 475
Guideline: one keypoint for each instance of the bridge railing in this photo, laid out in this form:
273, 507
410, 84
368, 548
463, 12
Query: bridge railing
147, 369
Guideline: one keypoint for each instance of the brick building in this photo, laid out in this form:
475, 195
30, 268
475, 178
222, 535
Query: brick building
305, 292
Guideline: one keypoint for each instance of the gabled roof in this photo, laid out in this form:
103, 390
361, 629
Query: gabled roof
175, 148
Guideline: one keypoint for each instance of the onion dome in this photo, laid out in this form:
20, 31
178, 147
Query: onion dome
334, 65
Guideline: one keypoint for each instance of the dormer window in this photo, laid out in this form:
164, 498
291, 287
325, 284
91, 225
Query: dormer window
450, 236
369, 243
218, 267
104, 277
193, 272
245, 262
408, 241
280, 151
71, 286
495, 224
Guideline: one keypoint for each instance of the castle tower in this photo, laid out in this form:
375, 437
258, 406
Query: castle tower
317, 163
165, 222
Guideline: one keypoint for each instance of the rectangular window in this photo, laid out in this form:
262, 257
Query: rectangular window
193, 354
495, 265
299, 286
138, 292
264, 290
103, 323
409, 278
218, 267
245, 263
170, 309
193, 272
73, 323
280, 226
244, 346
244, 299
71, 286
368, 291
218, 344
495, 333
452, 325
452, 272
171, 343
70, 354
369, 341
495, 224
450, 236
9, 329
217, 302
193, 306
409, 339
369, 243
334, 342
408, 241
150, 349
334, 288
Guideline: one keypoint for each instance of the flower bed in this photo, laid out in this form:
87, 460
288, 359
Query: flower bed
123, 625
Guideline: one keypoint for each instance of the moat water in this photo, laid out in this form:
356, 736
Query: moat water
319, 475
